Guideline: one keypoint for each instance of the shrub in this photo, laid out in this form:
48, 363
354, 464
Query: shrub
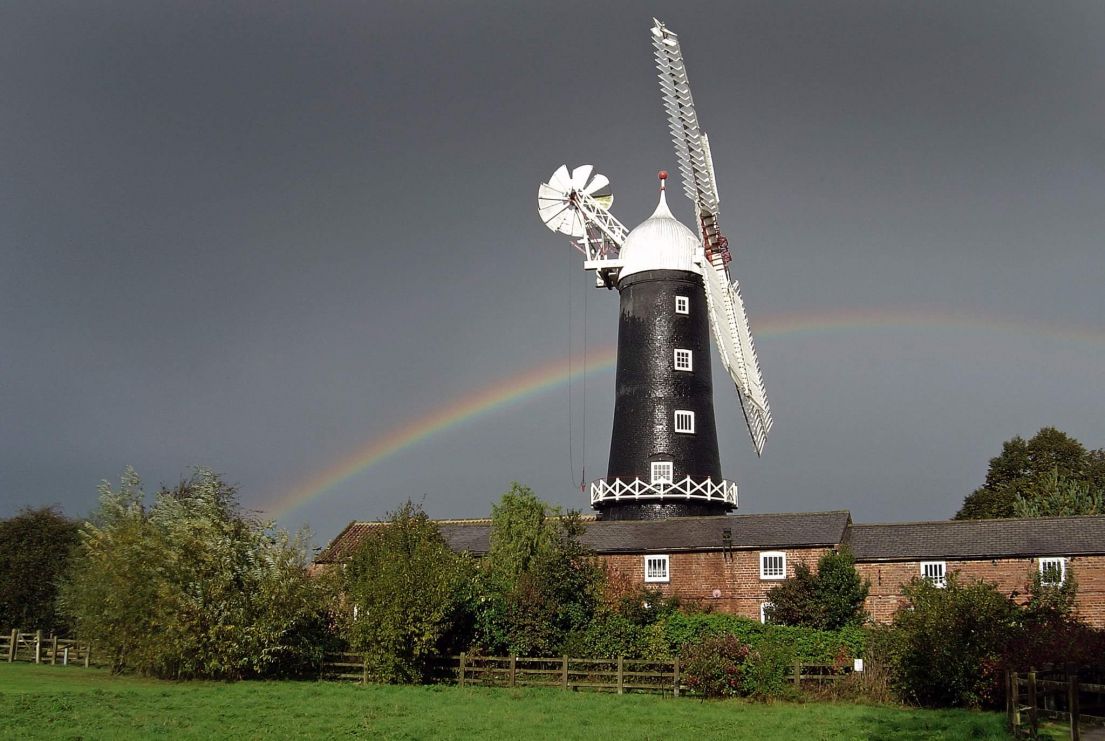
950, 642
811, 646
829, 599
712, 667
767, 669
34, 553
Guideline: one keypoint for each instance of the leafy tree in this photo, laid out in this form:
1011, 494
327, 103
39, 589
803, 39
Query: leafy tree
829, 599
34, 553
412, 596
1059, 496
1036, 468
950, 641
190, 587
539, 585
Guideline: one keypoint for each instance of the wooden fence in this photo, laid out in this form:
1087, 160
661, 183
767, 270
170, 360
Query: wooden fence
618, 675
39, 649
1058, 695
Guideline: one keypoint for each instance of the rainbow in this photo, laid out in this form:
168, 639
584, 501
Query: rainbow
535, 381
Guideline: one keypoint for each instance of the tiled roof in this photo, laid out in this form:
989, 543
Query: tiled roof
952, 539
638, 536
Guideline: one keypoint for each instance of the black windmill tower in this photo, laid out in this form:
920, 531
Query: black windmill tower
675, 291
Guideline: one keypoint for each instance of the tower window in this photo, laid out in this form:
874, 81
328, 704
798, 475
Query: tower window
656, 568
683, 360
662, 472
682, 305
684, 420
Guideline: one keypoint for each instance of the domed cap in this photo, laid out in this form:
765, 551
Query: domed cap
659, 243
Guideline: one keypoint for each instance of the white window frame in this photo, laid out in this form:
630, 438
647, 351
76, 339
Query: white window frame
763, 607
658, 471
1061, 561
684, 359
685, 416
773, 573
935, 572
659, 570
682, 304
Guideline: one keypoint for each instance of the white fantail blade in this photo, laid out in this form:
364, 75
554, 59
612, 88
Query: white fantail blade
556, 211
598, 182
580, 175
561, 180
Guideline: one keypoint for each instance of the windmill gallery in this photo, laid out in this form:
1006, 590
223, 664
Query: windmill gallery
663, 514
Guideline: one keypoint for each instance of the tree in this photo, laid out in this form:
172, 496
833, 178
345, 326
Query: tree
539, 584
1033, 469
1058, 496
34, 553
411, 595
190, 587
829, 599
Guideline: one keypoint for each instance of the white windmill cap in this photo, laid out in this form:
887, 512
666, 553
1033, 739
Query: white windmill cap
659, 243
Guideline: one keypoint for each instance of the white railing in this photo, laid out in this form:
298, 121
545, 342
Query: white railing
619, 490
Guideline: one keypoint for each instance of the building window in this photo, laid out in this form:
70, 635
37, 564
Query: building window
682, 305
662, 472
1053, 571
764, 607
684, 421
683, 361
656, 569
934, 572
773, 565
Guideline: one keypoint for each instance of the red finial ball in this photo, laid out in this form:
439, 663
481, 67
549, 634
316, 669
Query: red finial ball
663, 174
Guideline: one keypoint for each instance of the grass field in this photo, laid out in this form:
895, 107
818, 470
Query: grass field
68, 703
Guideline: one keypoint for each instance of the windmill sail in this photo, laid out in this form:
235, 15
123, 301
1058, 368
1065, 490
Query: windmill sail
727, 316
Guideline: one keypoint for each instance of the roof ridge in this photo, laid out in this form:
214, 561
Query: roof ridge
996, 520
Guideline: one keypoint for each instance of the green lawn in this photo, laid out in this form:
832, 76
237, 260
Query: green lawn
67, 702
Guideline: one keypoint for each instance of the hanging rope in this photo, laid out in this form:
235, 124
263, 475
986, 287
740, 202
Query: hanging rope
583, 444
568, 338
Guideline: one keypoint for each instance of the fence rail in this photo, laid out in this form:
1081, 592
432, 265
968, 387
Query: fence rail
1030, 697
38, 649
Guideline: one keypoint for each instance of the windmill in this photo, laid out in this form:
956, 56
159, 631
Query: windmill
673, 284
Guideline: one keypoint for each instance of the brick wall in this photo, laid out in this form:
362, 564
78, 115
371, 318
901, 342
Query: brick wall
695, 576
1009, 574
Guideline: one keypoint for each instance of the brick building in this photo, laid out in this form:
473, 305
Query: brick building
731, 561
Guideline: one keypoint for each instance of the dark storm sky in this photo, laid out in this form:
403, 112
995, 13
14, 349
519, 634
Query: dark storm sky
260, 235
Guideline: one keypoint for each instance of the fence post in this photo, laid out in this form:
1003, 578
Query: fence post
364, 669
38, 646
621, 675
65, 657
1009, 697
460, 671
797, 672
54, 650
564, 671
513, 669
87, 653
675, 685
1072, 703
14, 643
1015, 685
1033, 714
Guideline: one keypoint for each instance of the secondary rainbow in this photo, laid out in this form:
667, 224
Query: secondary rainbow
530, 383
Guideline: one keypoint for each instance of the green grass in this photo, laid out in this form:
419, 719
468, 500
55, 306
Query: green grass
69, 703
